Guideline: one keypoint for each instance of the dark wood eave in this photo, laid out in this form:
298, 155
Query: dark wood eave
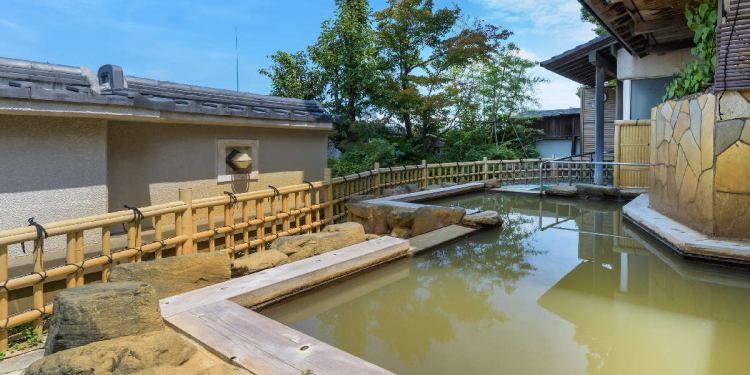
575, 64
644, 26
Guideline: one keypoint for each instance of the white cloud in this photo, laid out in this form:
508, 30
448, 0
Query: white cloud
558, 93
528, 55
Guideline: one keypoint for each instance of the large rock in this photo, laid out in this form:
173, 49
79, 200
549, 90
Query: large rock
493, 183
399, 190
561, 190
160, 352
333, 237
176, 275
430, 218
258, 261
373, 217
484, 219
98, 312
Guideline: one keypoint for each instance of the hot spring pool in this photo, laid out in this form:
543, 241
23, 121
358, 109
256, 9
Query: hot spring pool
565, 287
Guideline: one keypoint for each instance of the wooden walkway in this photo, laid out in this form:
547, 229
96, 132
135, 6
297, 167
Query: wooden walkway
219, 317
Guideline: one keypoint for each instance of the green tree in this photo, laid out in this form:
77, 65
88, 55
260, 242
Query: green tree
346, 55
418, 46
293, 76
586, 16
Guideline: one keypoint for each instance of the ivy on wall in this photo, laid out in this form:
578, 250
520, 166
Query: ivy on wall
699, 74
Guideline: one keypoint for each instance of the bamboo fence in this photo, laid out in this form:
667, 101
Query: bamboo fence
247, 223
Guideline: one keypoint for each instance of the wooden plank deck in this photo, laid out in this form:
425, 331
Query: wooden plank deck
269, 284
215, 316
263, 345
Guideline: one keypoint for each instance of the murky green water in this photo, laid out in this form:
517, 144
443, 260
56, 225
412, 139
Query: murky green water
564, 288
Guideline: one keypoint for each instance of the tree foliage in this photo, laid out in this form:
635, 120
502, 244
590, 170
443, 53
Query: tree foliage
586, 16
293, 76
698, 75
413, 81
346, 54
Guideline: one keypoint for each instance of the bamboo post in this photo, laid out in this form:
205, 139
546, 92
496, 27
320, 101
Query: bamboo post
212, 227
4, 298
132, 239
485, 169
616, 172
285, 209
308, 214
274, 213
38, 288
186, 196
178, 232
72, 246
376, 184
158, 234
229, 222
107, 251
425, 174
328, 193
245, 220
260, 214
79, 257
317, 211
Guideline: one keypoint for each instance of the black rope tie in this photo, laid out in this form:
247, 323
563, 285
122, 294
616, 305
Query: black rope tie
310, 184
276, 191
390, 169
232, 197
41, 233
344, 177
137, 214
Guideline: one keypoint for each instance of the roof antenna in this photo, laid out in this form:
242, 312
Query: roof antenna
237, 60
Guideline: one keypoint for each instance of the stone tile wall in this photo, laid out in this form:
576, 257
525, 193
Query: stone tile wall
701, 175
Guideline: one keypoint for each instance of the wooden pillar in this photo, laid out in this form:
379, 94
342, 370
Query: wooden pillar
211, 227
425, 174
602, 66
186, 196
260, 230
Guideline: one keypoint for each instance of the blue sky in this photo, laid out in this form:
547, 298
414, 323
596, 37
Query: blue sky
193, 41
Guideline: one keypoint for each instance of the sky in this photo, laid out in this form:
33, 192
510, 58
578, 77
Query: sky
194, 41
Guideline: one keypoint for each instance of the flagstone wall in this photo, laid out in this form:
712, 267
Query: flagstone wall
701, 175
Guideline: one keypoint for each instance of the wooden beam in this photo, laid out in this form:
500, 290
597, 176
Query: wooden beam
660, 24
597, 59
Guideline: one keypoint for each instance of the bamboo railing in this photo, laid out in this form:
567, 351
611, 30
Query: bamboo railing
247, 223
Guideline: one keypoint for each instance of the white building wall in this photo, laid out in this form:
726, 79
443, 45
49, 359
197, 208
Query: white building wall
651, 66
558, 148
51, 169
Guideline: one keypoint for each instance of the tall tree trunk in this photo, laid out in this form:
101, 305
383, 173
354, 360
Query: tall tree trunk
407, 124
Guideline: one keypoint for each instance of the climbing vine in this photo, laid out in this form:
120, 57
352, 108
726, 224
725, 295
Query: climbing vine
699, 74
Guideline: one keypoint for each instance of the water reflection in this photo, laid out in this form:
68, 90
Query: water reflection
564, 287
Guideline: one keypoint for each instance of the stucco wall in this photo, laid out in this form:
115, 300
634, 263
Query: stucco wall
148, 163
51, 169
651, 66
702, 175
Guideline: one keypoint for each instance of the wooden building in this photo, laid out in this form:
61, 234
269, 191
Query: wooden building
562, 131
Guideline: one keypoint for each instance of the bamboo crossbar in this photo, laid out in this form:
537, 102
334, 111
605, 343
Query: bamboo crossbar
246, 222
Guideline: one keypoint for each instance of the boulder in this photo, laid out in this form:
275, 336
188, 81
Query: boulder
429, 218
562, 190
373, 217
354, 230
484, 219
591, 190
401, 217
332, 237
361, 198
104, 311
370, 237
493, 183
160, 352
258, 261
401, 232
176, 275
399, 190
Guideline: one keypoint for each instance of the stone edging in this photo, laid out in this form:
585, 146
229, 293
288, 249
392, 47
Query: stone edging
681, 238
